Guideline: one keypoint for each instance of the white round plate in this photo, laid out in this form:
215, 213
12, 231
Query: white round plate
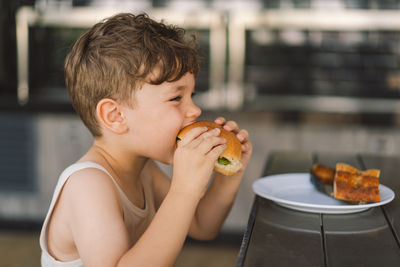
295, 191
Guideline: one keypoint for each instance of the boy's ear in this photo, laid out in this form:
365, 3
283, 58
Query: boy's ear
110, 115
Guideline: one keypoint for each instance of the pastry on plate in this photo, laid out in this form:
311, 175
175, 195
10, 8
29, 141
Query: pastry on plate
351, 184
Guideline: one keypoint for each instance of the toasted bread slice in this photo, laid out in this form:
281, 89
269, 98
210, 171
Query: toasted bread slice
351, 184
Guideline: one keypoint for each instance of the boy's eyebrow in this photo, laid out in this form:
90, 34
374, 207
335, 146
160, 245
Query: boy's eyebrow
181, 88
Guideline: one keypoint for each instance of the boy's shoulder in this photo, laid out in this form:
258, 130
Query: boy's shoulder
89, 175
90, 185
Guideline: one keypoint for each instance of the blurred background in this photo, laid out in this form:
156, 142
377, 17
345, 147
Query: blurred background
304, 75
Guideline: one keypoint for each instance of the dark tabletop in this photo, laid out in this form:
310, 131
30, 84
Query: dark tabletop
278, 236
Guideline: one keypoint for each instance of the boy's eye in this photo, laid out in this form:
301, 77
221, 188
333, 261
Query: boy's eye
194, 94
176, 98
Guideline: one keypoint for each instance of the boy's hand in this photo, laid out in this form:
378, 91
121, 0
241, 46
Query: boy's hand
243, 137
194, 160
215, 205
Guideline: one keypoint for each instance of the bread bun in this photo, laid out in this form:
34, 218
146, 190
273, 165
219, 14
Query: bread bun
229, 161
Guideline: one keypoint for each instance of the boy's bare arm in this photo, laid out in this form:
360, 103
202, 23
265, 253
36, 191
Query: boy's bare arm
214, 207
162, 242
95, 218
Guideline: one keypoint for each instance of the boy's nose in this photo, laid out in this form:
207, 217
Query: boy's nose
193, 111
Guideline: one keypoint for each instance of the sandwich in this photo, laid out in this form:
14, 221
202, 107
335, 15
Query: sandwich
229, 161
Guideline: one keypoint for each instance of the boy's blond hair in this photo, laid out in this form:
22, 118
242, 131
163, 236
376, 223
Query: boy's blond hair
117, 55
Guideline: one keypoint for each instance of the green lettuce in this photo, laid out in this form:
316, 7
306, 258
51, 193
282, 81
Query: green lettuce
224, 161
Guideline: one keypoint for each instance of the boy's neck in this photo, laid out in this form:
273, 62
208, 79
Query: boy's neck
126, 168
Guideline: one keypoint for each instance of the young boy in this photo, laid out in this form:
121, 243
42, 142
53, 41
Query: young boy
131, 81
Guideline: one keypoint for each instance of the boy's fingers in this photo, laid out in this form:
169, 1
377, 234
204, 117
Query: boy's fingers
231, 126
220, 120
191, 134
207, 144
246, 146
243, 135
203, 137
216, 152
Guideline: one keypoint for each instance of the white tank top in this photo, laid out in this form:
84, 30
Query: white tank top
136, 219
